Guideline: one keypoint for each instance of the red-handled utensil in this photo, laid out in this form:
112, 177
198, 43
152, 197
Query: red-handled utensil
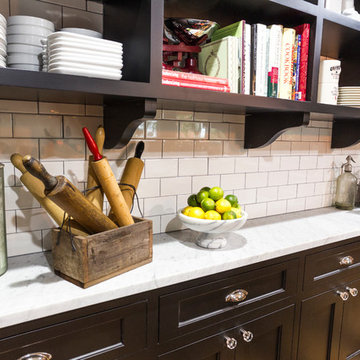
108, 182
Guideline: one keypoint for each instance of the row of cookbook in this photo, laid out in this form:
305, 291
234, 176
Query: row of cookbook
255, 60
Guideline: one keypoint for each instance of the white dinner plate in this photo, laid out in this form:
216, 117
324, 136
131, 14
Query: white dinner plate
75, 53
99, 48
75, 65
83, 31
91, 60
83, 72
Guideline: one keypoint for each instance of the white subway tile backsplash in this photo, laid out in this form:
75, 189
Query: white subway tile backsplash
161, 168
305, 190
293, 134
148, 188
83, 19
325, 135
9, 146
255, 180
199, 182
76, 171
6, 125
234, 148
73, 125
325, 162
314, 175
193, 130
94, 110
276, 207
295, 205
280, 148
300, 148
267, 194
175, 186
219, 131
9, 174
264, 151
287, 192
236, 132
246, 164
62, 149
79, 4
156, 223
205, 148
171, 223
60, 108
193, 167
256, 210
232, 181
24, 243
37, 126
308, 162
297, 176
10, 218
309, 134
161, 129
177, 115
19, 198
323, 188
210, 117
178, 148
289, 163
13, 106
246, 196
313, 202
221, 165
33, 219
278, 178
269, 163
234, 118
160, 206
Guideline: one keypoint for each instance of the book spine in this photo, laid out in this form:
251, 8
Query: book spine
295, 53
266, 61
297, 72
242, 50
247, 50
276, 33
195, 85
273, 79
261, 73
304, 31
286, 68
253, 58
194, 77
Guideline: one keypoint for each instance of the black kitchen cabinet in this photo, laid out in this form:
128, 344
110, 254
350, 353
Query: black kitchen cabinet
303, 306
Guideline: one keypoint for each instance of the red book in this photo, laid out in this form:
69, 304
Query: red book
194, 77
195, 84
304, 31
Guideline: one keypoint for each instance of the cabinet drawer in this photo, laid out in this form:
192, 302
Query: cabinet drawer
326, 268
108, 335
201, 306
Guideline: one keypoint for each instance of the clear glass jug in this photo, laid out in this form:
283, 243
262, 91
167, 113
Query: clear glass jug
3, 250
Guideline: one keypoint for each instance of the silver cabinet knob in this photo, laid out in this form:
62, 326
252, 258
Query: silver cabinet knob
231, 343
247, 335
37, 356
353, 291
347, 260
236, 296
344, 295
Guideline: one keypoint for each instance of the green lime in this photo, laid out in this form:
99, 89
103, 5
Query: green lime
232, 199
212, 215
208, 204
229, 215
216, 193
201, 195
192, 200
237, 211
222, 206
206, 188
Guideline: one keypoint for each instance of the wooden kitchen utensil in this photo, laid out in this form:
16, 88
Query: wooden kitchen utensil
109, 184
36, 188
63, 193
96, 196
132, 174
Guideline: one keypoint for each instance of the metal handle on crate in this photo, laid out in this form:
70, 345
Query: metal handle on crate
353, 291
344, 295
247, 335
236, 296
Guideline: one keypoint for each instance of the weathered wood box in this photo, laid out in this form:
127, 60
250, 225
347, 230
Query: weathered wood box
86, 261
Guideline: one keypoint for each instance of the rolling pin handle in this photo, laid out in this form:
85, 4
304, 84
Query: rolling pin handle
139, 149
92, 144
36, 169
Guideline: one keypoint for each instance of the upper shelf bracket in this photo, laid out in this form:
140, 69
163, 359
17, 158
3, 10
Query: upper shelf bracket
345, 132
123, 117
261, 129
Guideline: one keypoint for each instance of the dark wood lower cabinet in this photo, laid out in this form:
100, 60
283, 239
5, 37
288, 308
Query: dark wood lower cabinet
206, 319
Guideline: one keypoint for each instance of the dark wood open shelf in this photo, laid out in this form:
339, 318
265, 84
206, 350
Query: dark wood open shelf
139, 26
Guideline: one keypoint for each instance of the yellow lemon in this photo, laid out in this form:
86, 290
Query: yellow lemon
237, 211
187, 210
196, 212
222, 206
212, 215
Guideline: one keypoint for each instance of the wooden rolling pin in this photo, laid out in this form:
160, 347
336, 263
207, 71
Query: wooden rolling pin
109, 184
96, 196
36, 188
132, 174
64, 194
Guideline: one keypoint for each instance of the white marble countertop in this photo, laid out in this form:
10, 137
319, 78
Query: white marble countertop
30, 290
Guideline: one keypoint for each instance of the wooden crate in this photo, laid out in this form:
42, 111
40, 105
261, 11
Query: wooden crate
86, 261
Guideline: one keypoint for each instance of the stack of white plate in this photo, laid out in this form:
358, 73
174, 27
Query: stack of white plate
24, 35
349, 96
2, 41
77, 54
83, 31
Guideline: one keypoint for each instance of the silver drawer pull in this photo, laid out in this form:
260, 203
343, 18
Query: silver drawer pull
344, 295
37, 356
347, 260
231, 343
236, 296
247, 335
353, 291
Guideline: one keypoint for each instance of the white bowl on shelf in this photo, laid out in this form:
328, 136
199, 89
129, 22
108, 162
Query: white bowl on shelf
82, 31
30, 20
30, 67
25, 39
213, 233
24, 48
28, 30
3, 21
23, 58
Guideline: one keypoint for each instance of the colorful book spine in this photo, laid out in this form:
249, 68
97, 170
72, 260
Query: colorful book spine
253, 73
259, 60
242, 57
297, 71
295, 53
304, 31
286, 67
273, 80
247, 58
195, 85
170, 74
275, 39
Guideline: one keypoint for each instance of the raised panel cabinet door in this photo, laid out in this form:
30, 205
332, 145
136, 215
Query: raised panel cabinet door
211, 348
350, 330
267, 338
320, 327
